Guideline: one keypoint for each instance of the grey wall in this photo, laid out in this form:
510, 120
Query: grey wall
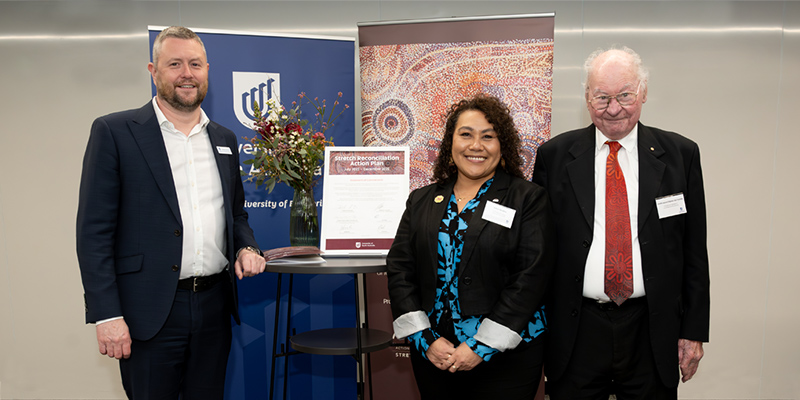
724, 73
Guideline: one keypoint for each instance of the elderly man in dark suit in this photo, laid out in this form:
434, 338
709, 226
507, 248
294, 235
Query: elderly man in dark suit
162, 233
629, 303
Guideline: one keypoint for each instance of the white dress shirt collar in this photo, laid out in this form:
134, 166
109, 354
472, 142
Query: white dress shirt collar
162, 119
629, 142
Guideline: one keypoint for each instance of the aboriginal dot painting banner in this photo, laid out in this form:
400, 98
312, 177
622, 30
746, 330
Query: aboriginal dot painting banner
247, 67
411, 72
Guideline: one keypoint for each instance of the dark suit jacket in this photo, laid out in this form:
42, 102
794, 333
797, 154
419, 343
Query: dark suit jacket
129, 229
674, 255
503, 273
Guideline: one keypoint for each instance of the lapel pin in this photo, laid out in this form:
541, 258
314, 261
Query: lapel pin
438, 199
652, 149
496, 200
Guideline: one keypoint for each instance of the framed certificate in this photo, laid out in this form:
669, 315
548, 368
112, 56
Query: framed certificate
364, 196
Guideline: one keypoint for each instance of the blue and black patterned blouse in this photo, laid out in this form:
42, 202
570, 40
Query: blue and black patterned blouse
446, 309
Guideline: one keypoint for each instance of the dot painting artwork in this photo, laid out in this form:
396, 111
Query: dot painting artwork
407, 89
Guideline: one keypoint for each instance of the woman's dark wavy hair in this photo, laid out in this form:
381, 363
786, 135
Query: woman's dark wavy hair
496, 114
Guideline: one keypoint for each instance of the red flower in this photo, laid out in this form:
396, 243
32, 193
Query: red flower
293, 127
266, 129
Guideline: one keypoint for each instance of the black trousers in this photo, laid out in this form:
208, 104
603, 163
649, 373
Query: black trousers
612, 355
189, 356
511, 375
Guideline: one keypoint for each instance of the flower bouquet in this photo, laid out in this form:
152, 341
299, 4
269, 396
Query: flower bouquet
290, 149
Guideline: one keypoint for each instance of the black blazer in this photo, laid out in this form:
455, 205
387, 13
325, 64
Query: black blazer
503, 274
129, 229
674, 255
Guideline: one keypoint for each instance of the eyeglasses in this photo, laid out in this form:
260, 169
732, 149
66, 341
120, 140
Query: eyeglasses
624, 99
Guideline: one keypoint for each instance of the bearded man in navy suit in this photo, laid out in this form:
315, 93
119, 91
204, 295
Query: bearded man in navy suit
630, 303
162, 234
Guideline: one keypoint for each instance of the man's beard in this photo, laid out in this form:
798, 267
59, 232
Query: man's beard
168, 92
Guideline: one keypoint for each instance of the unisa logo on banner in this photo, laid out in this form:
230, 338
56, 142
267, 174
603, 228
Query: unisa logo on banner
253, 86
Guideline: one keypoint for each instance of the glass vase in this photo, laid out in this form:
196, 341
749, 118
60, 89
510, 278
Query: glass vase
303, 221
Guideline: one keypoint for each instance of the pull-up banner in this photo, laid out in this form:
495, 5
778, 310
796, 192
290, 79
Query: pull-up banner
252, 66
411, 72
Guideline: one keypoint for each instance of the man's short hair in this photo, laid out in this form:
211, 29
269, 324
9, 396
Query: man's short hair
177, 32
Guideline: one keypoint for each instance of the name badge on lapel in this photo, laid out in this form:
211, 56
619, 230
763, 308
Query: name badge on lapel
671, 205
500, 215
224, 150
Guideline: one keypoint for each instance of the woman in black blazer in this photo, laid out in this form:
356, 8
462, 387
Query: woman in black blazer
469, 266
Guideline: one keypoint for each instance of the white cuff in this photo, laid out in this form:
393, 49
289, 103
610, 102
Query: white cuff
107, 320
410, 322
497, 336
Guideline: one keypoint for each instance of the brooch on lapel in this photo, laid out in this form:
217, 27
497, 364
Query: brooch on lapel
438, 199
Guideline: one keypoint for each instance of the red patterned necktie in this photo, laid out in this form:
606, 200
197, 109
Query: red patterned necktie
619, 257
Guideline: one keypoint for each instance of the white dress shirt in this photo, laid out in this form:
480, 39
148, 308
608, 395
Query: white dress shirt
199, 189
628, 157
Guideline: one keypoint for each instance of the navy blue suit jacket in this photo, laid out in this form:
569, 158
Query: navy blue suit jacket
129, 229
674, 255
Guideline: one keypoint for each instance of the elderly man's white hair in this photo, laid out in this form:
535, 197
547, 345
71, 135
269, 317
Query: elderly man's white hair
641, 71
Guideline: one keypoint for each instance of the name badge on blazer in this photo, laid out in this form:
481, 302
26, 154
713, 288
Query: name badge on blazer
500, 215
669, 206
224, 150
